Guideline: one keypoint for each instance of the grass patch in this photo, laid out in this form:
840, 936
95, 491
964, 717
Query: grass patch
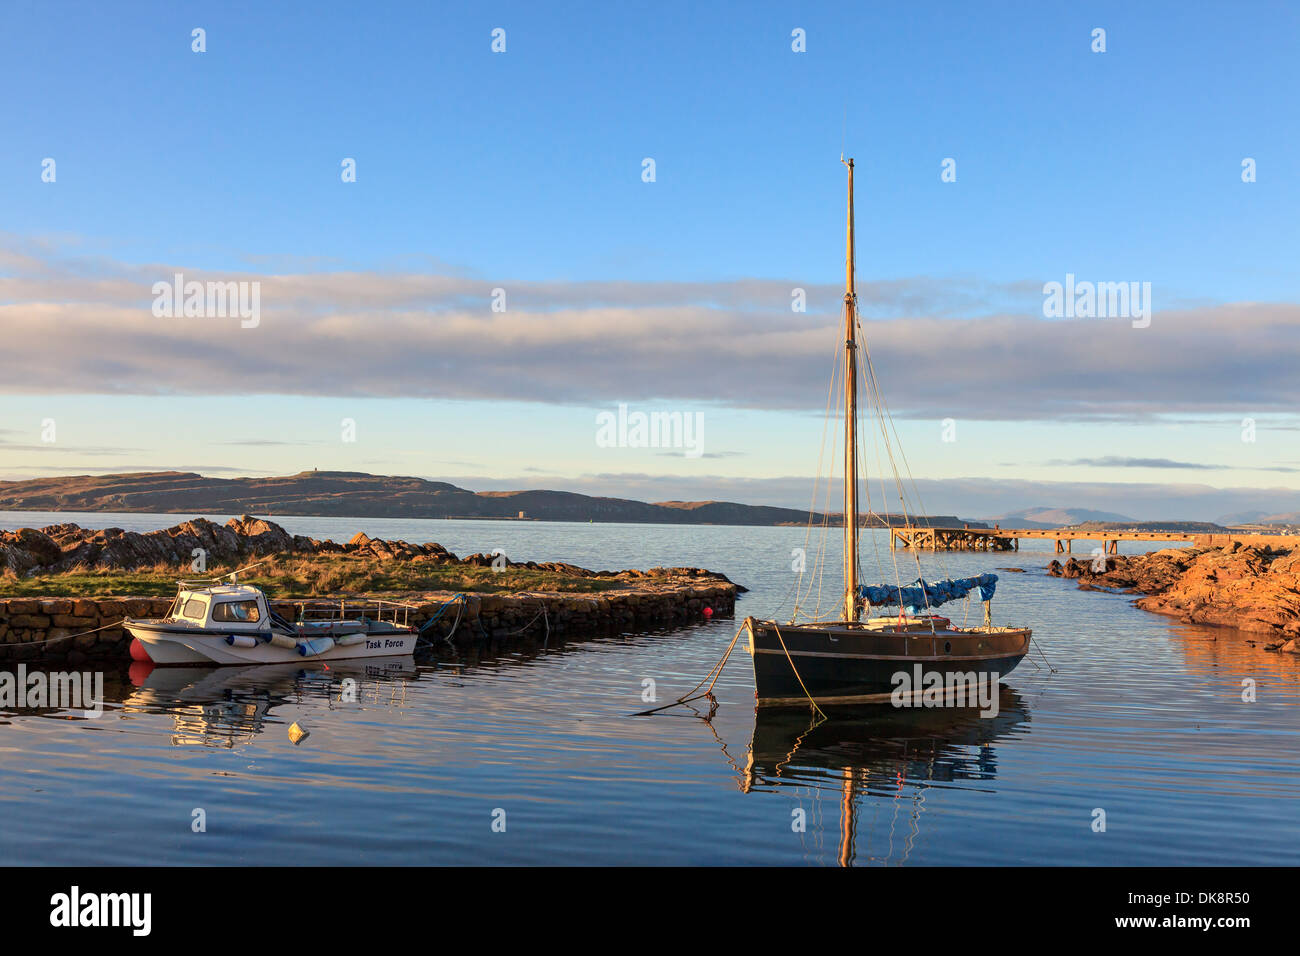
294, 576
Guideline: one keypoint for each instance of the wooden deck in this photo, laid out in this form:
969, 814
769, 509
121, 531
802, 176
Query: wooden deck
1008, 539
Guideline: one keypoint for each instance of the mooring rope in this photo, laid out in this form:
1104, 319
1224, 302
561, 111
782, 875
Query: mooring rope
460, 611
65, 637
777, 628
541, 613
459, 595
459, 600
1039, 646
715, 672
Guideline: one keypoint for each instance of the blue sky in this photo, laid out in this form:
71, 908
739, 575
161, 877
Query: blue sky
522, 170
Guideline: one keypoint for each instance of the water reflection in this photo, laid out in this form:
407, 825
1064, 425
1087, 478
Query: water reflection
1215, 651
229, 706
876, 754
226, 706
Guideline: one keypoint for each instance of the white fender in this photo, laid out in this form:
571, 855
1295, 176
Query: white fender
315, 646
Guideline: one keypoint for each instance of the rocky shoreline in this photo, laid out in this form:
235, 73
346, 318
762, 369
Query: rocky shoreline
33, 627
67, 547
1248, 588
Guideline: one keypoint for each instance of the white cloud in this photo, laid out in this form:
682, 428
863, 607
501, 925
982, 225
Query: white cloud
84, 325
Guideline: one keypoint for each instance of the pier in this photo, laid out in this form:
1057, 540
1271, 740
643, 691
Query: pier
916, 538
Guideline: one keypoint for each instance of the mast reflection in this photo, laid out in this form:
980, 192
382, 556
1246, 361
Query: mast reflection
876, 754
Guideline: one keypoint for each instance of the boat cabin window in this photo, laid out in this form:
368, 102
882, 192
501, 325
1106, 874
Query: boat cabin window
196, 609
237, 611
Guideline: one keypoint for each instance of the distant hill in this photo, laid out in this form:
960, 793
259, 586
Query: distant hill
1044, 517
1088, 520
1260, 518
1202, 527
1241, 517
359, 495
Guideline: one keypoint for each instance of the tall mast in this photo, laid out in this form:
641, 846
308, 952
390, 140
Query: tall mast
850, 424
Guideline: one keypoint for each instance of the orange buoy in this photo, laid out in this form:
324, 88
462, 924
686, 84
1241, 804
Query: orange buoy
138, 653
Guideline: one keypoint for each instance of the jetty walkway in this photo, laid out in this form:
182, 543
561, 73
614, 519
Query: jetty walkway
917, 538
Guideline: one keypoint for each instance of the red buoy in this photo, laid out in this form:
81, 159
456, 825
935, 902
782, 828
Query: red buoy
138, 653
708, 613
138, 671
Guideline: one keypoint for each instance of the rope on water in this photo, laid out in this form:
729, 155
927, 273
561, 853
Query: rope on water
1039, 645
715, 672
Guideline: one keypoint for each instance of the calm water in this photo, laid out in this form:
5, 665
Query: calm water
1143, 719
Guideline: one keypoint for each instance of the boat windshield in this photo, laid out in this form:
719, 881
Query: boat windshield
237, 611
195, 609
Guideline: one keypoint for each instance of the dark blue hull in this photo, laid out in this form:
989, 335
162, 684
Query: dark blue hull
838, 663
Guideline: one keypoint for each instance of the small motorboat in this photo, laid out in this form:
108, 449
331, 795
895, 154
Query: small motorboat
217, 623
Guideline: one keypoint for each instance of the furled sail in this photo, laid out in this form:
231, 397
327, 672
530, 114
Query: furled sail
921, 593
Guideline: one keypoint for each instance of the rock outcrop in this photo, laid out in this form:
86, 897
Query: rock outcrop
34, 627
1248, 588
66, 547
69, 547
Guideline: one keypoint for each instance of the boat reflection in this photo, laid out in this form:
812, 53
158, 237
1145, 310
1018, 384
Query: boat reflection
878, 753
229, 706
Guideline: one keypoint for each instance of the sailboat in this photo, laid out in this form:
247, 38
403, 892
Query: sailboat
855, 661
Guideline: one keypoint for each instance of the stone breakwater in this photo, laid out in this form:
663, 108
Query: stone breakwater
1248, 588
37, 627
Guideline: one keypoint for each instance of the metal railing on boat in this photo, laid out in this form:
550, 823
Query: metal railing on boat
375, 609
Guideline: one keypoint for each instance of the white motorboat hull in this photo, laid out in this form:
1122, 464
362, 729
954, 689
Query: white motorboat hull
165, 646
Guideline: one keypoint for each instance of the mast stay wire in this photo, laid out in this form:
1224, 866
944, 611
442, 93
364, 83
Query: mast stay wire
801, 598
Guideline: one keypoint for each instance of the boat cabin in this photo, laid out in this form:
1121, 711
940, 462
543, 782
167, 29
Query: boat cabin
228, 606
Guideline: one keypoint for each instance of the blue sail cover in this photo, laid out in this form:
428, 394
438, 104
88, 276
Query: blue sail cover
921, 593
